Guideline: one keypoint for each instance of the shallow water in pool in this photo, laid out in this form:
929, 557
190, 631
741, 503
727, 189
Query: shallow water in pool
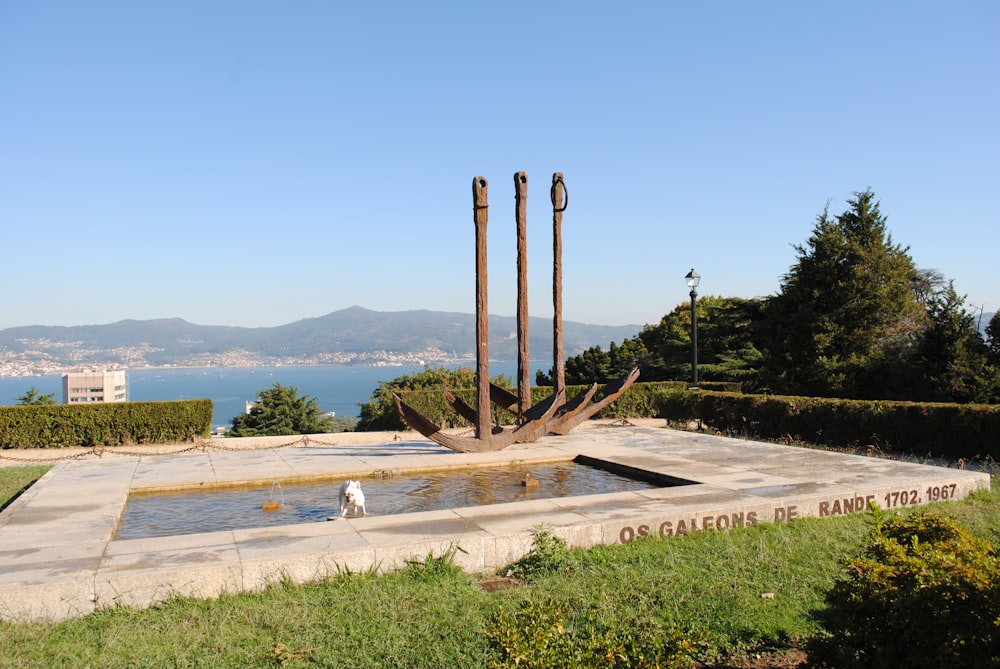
190, 512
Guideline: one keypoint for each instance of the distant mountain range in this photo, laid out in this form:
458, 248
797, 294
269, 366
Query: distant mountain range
351, 336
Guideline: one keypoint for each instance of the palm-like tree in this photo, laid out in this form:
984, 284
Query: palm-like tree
36, 398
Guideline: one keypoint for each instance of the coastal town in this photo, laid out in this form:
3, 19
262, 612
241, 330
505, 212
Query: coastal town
40, 357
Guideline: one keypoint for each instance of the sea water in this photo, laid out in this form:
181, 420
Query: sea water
337, 389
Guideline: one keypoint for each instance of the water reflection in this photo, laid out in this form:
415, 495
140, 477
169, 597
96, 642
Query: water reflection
168, 514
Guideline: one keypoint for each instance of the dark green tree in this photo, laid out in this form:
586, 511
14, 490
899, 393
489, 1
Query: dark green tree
846, 307
730, 352
669, 345
953, 359
993, 340
597, 365
279, 410
34, 397
726, 351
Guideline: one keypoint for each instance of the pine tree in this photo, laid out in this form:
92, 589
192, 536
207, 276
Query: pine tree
993, 339
845, 308
953, 358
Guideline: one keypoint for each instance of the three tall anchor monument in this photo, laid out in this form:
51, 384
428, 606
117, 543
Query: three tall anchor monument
552, 415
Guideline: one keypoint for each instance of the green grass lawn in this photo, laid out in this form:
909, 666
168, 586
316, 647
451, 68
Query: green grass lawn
15, 480
743, 590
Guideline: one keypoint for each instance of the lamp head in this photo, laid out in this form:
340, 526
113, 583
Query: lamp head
692, 279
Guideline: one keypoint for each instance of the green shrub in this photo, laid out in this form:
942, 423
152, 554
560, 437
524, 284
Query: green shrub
536, 636
924, 593
548, 554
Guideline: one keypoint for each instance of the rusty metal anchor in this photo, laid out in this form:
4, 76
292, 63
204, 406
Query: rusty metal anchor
552, 415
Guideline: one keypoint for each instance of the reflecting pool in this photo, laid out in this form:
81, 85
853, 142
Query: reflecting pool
196, 511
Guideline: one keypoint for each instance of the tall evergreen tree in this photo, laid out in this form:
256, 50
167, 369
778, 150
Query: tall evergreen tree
953, 358
846, 307
993, 339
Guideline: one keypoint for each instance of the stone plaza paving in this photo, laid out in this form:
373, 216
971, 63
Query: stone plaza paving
58, 559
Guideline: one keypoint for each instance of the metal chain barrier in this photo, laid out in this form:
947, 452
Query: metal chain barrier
202, 445
72, 456
211, 444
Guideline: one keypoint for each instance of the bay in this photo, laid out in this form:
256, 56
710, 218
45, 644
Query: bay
338, 389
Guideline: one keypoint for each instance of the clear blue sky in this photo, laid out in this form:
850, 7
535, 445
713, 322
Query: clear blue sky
256, 163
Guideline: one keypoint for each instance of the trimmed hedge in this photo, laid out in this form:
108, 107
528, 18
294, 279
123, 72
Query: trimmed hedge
933, 429
111, 424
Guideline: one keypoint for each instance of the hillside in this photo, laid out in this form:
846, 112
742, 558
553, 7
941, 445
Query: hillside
350, 336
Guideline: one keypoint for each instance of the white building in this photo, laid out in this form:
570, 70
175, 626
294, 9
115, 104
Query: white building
93, 386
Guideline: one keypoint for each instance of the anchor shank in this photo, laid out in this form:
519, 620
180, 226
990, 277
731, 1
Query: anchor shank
523, 357
480, 206
559, 201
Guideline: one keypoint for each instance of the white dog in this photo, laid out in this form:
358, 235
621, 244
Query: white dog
351, 496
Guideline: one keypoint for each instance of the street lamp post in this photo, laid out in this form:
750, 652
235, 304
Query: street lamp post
692, 279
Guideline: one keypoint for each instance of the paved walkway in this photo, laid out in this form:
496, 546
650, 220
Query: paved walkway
57, 559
